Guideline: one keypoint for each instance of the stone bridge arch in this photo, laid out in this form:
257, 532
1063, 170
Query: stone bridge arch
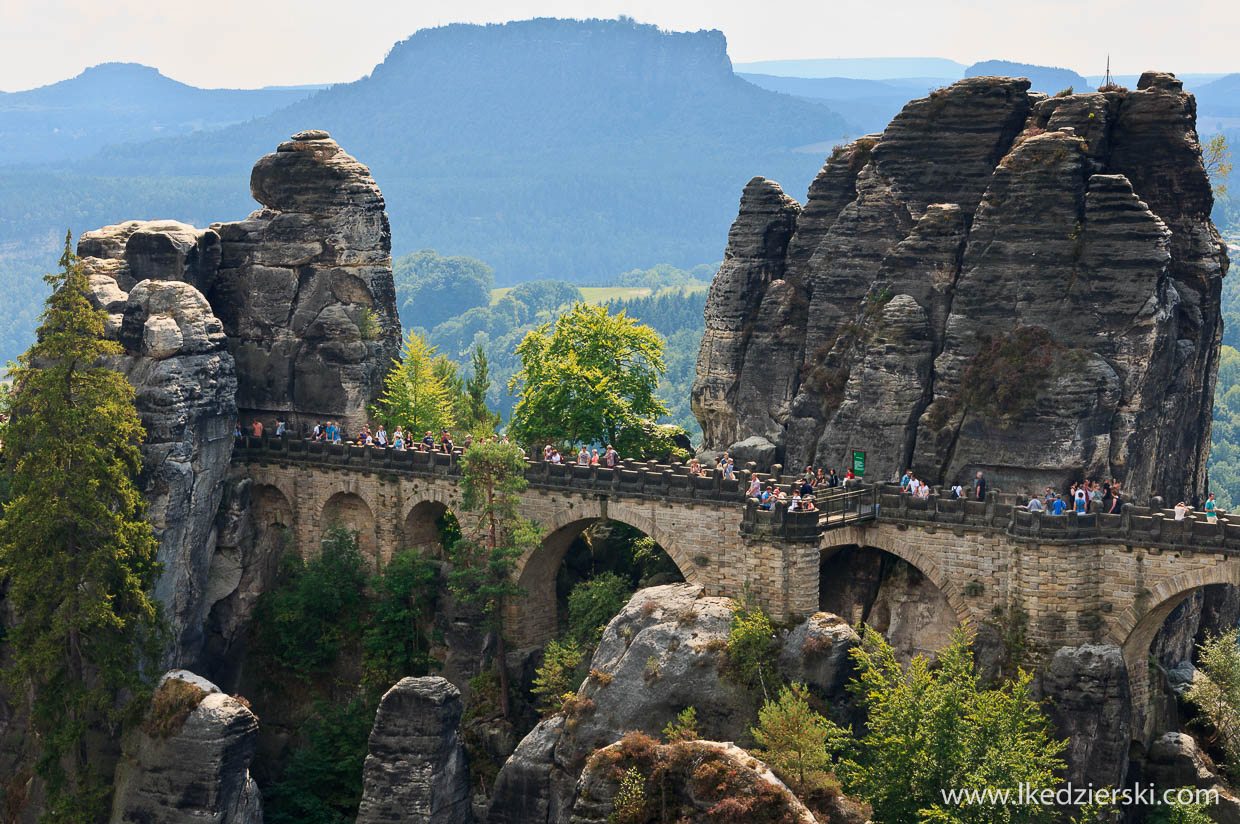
418, 529
272, 506
1133, 630
351, 511
533, 617
895, 542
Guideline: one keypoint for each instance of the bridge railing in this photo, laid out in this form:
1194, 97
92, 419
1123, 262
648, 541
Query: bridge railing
777, 523
1133, 526
645, 479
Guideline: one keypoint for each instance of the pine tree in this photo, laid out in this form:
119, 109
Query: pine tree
796, 741
79, 556
478, 415
486, 555
416, 395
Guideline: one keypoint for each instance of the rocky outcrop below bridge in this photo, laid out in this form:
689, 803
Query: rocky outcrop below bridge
1000, 281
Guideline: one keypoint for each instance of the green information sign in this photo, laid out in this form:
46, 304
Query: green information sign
858, 462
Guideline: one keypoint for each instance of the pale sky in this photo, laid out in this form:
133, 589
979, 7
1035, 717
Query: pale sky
250, 43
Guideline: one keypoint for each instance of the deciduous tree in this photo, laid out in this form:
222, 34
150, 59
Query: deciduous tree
590, 379
930, 729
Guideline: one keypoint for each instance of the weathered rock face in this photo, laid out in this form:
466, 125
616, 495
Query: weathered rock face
998, 282
305, 287
176, 357
289, 314
1090, 705
1175, 761
415, 770
199, 772
661, 654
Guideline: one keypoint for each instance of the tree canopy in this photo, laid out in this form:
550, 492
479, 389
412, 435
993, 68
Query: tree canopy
930, 729
431, 289
592, 378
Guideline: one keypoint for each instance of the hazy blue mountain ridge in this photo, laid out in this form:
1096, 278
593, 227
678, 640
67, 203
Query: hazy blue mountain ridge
117, 103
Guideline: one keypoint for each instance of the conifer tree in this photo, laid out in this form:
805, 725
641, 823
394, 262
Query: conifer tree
493, 539
74, 545
416, 395
478, 415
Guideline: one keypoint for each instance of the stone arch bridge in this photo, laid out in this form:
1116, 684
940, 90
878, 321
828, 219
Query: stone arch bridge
1078, 579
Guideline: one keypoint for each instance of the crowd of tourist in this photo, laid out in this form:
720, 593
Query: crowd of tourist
1084, 497
399, 439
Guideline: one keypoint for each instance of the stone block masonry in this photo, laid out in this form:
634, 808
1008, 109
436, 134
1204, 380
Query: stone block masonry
1098, 579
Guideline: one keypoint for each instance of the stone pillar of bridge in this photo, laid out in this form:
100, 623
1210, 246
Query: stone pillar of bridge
776, 562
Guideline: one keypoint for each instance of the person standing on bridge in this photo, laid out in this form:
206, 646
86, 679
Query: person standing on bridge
256, 427
729, 469
755, 486
610, 457
906, 481
833, 480
1082, 500
979, 488
583, 457
1211, 509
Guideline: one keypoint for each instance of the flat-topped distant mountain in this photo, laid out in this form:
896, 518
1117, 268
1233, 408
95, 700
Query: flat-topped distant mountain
119, 103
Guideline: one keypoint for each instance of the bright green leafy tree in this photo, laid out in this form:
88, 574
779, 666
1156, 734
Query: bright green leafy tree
591, 379
930, 729
416, 395
78, 554
493, 538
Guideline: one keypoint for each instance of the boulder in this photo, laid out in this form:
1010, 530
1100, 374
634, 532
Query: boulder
415, 771
817, 653
189, 762
699, 781
1174, 760
662, 653
999, 282
1090, 705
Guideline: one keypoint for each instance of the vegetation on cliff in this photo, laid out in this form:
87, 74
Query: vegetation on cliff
76, 549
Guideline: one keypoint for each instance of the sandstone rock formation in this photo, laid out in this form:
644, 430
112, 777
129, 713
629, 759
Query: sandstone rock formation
654, 661
176, 357
416, 772
289, 314
1175, 761
305, 287
190, 769
998, 282
1090, 705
